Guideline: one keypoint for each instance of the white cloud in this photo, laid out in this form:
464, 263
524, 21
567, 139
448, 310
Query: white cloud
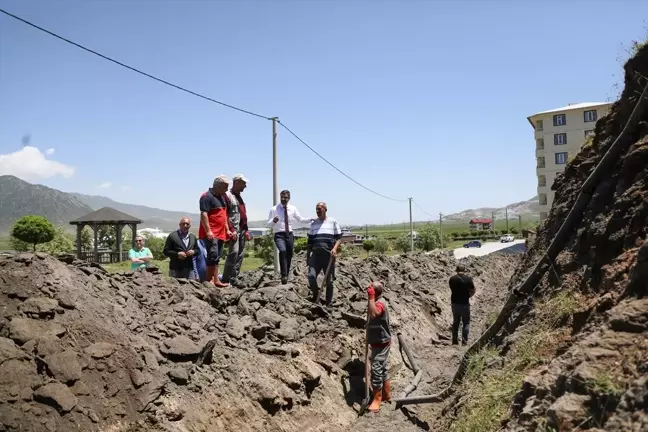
49, 151
105, 185
30, 164
126, 188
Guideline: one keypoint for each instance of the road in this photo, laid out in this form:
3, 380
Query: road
516, 246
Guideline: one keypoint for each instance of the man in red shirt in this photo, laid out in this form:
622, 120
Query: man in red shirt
215, 227
379, 338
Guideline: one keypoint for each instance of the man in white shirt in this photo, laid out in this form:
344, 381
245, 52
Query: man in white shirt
281, 219
324, 238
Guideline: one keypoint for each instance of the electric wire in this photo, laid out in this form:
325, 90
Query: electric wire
191, 92
421, 208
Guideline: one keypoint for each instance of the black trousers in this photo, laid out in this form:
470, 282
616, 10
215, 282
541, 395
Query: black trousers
285, 243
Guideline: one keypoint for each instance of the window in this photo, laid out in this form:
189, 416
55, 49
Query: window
589, 132
561, 158
540, 143
541, 162
538, 125
542, 198
560, 139
590, 116
542, 181
560, 120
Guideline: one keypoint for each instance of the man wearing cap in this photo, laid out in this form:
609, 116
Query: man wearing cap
238, 220
215, 227
281, 220
462, 289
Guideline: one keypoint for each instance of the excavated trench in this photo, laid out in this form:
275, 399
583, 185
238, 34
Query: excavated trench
83, 349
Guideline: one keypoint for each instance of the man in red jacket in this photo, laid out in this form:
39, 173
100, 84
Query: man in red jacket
215, 227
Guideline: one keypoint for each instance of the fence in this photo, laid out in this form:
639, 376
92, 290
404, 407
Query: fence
104, 257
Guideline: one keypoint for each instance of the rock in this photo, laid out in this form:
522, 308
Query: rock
235, 327
150, 360
139, 378
66, 298
149, 393
100, 350
48, 345
179, 376
568, 411
180, 348
288, 329
23, 330
259, 332
41, 307
56, 395
630, 316
9, 350
64, 366
266, 316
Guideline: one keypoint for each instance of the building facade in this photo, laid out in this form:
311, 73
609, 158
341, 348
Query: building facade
483, 224
559, 134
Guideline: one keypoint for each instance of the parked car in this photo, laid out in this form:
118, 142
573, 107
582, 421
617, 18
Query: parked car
474, 243
507, 238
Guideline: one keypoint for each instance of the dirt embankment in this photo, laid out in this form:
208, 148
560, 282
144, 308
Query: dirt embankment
581, 337
85, 350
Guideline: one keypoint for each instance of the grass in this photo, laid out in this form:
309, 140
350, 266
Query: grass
394, 230
603, 383
249, 263
4, 243
490, 391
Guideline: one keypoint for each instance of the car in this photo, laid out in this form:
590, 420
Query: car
474, 243
507, 238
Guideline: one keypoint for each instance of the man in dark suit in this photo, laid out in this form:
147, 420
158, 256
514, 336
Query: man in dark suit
181, 246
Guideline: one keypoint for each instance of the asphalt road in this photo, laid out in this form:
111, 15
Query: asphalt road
516, 246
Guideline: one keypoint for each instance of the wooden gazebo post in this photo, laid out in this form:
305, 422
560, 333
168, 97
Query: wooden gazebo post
105, 217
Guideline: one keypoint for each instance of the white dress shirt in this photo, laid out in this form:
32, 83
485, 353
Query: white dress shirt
293, 215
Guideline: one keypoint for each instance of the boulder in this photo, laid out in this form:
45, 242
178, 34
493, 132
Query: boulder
64, 366
56, 395
23, 330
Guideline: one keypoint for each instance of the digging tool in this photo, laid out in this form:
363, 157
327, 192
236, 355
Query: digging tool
367, 399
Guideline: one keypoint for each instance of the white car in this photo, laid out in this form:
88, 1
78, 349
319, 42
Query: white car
507, 238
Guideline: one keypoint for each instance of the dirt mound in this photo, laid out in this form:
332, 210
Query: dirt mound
581, 337
82, 349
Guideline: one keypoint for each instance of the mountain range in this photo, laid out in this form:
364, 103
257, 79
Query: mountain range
19, 198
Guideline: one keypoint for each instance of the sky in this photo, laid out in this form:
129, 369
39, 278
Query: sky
427, 99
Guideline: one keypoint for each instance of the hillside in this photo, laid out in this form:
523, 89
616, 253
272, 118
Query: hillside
529, 209
19, 198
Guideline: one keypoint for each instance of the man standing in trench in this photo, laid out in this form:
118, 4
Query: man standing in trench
280, 220
214, 228
238, 220
379, 338
462, 288
324, 238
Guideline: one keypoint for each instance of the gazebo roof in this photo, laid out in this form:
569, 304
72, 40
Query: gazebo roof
106, 215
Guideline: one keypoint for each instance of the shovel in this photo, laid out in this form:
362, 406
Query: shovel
326, 275
367, 399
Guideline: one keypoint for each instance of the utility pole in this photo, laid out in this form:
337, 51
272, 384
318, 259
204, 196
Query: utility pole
411, 226
507, 226
520, 223
366, 232
275, 187
493, 223
441, 229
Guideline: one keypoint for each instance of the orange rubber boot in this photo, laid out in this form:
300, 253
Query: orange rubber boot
375, 403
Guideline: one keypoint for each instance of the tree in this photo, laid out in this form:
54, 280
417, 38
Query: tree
301, 243
265, 249
155, 245
429, 237
87, 238
402, 243
61, 243
19, 245
504, 232
368, 245
514, 230
33, 230
381, 245
465, 234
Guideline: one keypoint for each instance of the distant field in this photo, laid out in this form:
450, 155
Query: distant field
250, 263
395, 230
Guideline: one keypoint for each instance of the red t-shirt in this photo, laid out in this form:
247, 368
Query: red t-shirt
216, 209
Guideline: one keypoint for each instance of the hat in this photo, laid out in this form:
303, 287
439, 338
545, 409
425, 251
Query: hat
239, 177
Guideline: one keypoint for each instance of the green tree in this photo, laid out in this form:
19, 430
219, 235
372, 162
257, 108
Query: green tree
402, 243
265, 249
368, 246
155, 245
62, 242
33, 230
19, 245
301, 243
465, 234
429, 237
87, 238
514, 230
381, 245
504, 232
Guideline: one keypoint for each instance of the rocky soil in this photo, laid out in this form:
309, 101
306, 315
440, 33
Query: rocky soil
597, 378
85, 350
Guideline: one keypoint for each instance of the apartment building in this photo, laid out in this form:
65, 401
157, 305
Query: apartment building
559, 134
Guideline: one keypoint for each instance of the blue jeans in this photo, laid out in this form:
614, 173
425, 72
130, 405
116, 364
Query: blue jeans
285, 243
460, 312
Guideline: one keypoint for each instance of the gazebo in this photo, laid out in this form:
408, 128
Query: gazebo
102, 217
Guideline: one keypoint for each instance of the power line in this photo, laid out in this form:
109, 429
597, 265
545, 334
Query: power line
338, 169
421, 208
195, 94
132, 68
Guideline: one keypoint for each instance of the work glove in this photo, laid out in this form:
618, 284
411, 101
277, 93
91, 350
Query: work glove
371, 293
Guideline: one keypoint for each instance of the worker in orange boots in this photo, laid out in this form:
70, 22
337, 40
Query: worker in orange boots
379, 338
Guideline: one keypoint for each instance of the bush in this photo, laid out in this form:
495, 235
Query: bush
381, 245
265, 249
514, 230
156, 246
368, 245
504, 232
301, 243
33, 230
429, 237
61, 243
465, 234
403, 243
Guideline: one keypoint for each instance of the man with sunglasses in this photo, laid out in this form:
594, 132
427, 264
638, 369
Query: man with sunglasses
181, 246
139, 255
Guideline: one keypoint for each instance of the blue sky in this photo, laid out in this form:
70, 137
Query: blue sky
412, 98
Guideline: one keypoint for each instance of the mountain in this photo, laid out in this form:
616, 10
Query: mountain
19, 198
528, 209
